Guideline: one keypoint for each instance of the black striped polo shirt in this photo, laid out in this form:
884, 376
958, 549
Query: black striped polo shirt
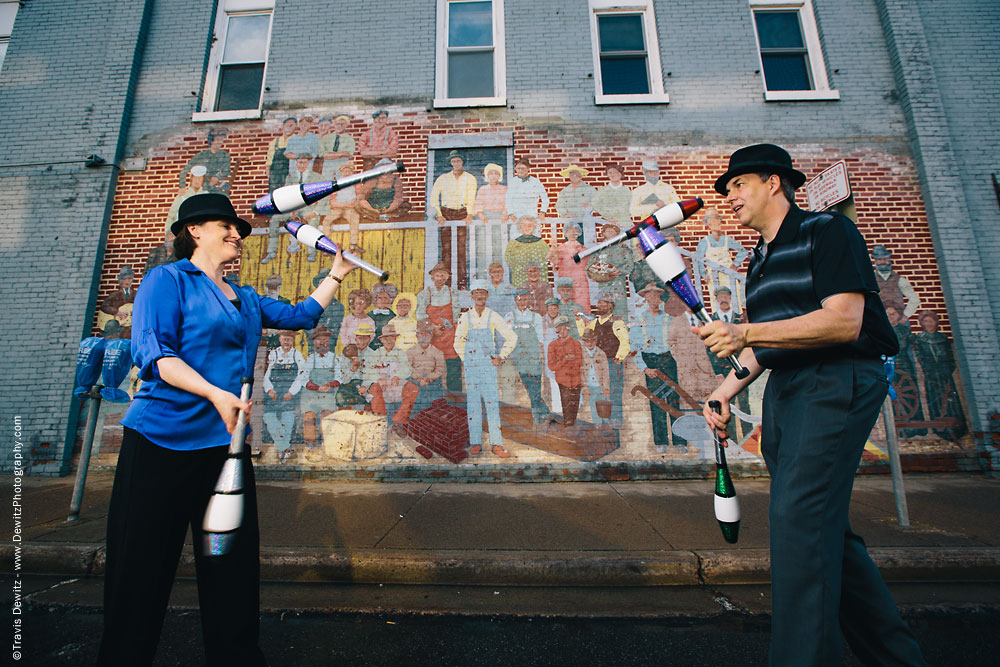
814, 256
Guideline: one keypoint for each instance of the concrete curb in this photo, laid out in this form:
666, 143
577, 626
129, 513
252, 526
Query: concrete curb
528, 568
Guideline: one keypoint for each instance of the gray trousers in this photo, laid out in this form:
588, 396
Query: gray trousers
823, 582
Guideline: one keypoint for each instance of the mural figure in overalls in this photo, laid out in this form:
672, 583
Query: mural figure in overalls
653, 358
714, 253
283, 380
475, 343
322, 371
527, 355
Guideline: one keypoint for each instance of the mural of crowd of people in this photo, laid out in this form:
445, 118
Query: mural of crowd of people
490, 342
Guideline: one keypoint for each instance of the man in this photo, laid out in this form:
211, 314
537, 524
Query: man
714, 253
612, 200
653, 194
215, 160
539, 289
575, 201
565, 359
384, 198
815, 319
161, 254
332, 317
453, 198
438, 303
528, 354
344, 205
612, 338
300, 174
304, 143
387, 380
894, 289
272, 290
595, 374
525, 194
724, 311
475, 343
566, 289
611, 268
197, 184
336, 146
316, 401
284, 379
277, 163
427, 367
124, 294
648, 336
378, 141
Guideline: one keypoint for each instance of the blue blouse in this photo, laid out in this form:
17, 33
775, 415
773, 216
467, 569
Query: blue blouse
180, 312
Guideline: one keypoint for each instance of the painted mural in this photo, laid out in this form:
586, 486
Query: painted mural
489, 343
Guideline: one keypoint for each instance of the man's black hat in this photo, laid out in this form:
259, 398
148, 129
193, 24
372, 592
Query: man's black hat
760, 158
208, 206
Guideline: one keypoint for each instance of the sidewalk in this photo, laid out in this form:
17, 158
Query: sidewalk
558, 534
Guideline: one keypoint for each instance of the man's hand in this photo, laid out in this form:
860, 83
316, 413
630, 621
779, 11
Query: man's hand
273, 394
723, 339
287, 396
718, 422
650, 372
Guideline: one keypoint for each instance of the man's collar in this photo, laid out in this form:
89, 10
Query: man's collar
789, 226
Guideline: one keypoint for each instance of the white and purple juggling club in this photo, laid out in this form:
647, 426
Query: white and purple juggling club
668, 265
666, 217
224, 514
311, 237
289, 198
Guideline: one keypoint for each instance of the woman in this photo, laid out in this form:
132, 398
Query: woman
491, 209
561, 257
196, 335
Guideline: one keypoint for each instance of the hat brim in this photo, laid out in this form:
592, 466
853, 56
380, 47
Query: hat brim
795, 177
244, 227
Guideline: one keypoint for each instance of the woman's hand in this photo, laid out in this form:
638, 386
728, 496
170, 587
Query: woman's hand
229, 406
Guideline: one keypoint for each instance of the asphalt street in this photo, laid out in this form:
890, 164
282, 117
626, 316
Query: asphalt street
320, 624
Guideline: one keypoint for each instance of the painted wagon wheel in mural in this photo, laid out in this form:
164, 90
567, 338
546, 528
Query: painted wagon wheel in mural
907, 396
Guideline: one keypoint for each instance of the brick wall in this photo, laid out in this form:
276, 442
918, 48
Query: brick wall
886, 189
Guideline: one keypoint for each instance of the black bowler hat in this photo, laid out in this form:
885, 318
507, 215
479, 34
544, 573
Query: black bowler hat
208, 206
760, 158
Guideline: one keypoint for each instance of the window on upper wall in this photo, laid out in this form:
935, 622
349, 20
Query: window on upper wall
471, 62
791, 58
234, 81
626, 52
8, 11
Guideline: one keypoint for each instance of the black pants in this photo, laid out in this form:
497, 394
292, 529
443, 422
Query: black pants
157, 494
823, 582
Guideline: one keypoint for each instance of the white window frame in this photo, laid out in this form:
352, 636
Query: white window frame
441, 98
807, 20
656, 94
229, 8
7, 30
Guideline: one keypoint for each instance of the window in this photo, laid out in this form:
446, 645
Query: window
235, 77
790, 54
626, 52
8, 10
471, 63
